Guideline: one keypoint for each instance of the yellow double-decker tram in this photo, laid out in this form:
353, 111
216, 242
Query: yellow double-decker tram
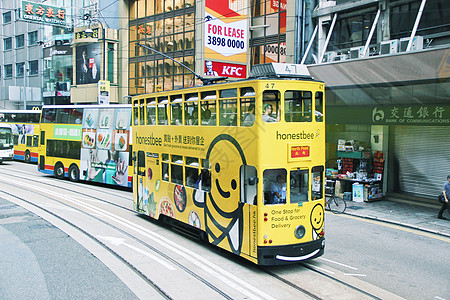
242, 162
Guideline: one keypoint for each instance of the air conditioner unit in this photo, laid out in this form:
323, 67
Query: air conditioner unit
417, 43
356, 52
341, 57
329, 56
389, 47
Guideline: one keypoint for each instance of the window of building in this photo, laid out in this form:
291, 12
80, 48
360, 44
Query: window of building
34, 67
7, 43
20, 41
20, 69
32, 38
7, 17
111, 62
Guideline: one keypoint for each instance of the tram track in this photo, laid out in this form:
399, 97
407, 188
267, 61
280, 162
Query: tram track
98, 241
146, 245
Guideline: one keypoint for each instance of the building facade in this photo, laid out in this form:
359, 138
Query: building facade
21, 64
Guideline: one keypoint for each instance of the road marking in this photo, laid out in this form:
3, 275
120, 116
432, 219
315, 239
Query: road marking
118, 241
338, 263
398, 227
356, 275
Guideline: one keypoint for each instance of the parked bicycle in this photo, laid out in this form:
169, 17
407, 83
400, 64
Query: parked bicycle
335, 204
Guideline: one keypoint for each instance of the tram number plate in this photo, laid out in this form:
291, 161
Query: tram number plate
299, 151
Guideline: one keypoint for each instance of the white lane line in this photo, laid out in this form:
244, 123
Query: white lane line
338, 263
356, 275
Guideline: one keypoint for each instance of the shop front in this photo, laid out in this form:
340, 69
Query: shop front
58, 72
401, 149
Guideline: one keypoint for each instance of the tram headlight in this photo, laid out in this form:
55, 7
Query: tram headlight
300, 231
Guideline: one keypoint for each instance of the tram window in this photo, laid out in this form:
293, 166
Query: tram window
317, 182
176, 169
165, 167
63, 149
299, 186
205, 180
249, 185
176, 110
191, 109
208, 115
35, 140
247, 111
141, 163
319, 106
48, 115
274, 186
228, 112
271, 106
151, 112
142, 114
136, 115
29, 141
162, 110
191, 170
298, 106
229, 93
69, 116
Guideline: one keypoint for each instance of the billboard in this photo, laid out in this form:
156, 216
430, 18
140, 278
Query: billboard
88, 63
226, 36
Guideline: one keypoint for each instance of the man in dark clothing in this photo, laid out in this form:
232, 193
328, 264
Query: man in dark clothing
446, 193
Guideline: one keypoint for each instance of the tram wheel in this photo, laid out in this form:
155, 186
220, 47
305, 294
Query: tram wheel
74, 173
27, 157
59, 171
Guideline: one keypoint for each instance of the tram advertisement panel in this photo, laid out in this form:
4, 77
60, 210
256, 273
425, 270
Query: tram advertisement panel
226, 32
105, 146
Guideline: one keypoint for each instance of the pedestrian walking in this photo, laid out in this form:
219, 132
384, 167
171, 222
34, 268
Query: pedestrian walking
446, 193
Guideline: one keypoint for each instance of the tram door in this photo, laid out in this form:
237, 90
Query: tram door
140, 182
249, 192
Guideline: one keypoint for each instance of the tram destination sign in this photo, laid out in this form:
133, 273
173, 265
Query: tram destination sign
41, 13
422, 115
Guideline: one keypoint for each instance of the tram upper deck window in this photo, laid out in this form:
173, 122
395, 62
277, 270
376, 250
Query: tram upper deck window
142, 112
247, 102
319, 106
191, 109
298, 106
299, 186
274, 185
208, 108
176, 102
151, 111
48, 115
162, 110
68, 115
136, 115
271, 106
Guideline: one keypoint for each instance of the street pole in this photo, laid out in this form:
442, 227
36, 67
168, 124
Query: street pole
24, 86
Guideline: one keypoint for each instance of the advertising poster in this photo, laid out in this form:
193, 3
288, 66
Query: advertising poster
88, 63
105, 146
226, 38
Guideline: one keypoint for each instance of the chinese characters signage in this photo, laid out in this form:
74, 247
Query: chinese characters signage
43, 13
84, 35
431, 114
67, 132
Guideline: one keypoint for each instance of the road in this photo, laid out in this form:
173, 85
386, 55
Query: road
139, 258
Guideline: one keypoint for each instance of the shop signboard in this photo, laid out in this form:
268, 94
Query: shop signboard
103, 92
41, 13
431, 115
226, 37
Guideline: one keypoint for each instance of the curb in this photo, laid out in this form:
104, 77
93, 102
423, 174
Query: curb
399, 224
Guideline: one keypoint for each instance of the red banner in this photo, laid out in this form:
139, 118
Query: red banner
214, 68
299, 151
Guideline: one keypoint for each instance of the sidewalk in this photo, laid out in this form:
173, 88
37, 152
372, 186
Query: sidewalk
413, 214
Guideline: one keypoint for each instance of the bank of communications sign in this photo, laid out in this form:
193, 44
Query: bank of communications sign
226, 38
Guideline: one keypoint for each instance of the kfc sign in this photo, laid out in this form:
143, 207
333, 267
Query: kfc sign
213, 68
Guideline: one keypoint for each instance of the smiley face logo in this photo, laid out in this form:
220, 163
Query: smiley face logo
317, 217
222, 206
